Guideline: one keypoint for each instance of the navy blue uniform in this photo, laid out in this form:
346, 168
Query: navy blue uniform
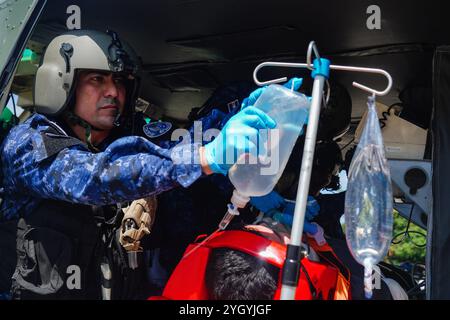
129, 168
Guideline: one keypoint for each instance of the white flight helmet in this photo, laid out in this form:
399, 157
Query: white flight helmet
75, 50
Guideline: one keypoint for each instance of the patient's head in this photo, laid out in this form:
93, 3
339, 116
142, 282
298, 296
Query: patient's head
235, 275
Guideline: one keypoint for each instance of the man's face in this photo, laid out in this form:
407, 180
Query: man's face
100, 97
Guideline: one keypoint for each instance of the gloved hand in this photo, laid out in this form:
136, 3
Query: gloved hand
287, 215
293, 83
312, 208
237, 137
286, 219
269, 202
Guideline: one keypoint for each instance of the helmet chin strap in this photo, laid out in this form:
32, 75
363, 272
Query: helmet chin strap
76, 120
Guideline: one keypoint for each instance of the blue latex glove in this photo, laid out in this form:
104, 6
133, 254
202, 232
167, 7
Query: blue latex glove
268, 202
287, 215
287, 220
237, 137
312, 208
294, 83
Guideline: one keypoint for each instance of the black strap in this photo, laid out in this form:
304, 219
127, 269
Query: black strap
331, 258
312, 288
54, 143
66, 52
55, 139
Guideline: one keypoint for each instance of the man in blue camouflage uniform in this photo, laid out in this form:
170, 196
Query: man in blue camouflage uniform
66, 167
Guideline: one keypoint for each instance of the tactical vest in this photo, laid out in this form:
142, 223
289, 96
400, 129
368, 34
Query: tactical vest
71, 251
65, 250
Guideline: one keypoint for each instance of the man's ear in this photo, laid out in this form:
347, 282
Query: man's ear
71, 97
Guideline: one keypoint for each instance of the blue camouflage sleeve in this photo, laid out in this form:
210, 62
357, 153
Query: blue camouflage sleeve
197, 132
130, 168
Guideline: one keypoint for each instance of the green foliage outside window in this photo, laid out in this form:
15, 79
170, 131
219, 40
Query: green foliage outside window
411, 246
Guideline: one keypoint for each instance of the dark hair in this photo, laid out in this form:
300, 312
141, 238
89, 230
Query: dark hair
235, 275
335, 117
327, 155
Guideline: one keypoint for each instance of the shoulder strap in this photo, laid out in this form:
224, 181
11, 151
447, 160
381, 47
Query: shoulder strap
327, 254
55, 140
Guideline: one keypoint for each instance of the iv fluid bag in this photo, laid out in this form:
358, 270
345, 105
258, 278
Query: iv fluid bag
256, 173
368, 201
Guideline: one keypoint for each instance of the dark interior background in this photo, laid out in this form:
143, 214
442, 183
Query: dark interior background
190, 47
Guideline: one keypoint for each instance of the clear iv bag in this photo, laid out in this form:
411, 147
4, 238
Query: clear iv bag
368, 201
256, 174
